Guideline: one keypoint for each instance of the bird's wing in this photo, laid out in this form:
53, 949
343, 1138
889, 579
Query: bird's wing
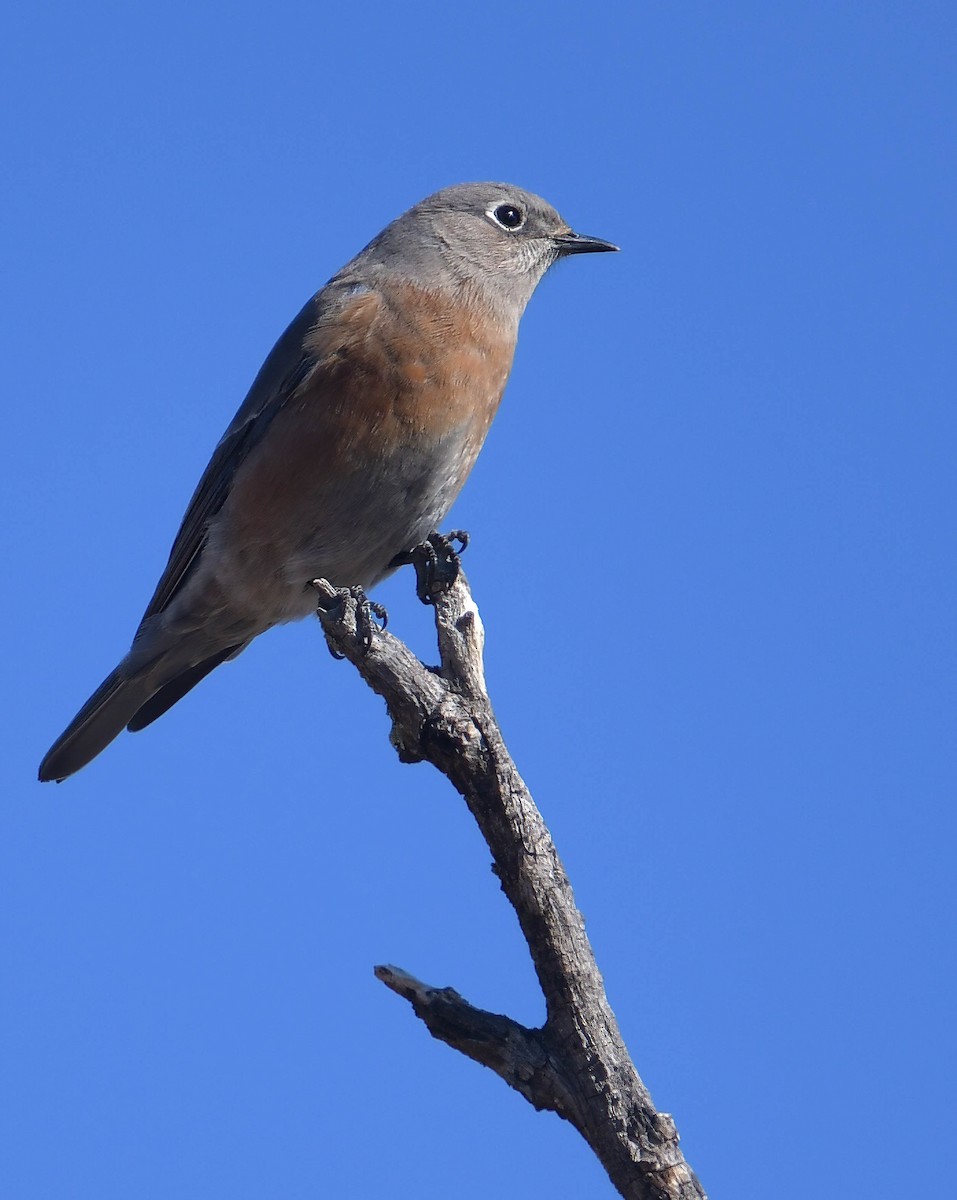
296, 357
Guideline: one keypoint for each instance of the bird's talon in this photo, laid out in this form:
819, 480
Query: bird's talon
436, 563
367, 613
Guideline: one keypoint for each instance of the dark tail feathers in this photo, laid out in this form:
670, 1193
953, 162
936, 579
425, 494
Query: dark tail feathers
98, 722
121, 702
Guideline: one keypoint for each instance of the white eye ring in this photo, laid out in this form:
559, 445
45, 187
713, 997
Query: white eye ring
507, 216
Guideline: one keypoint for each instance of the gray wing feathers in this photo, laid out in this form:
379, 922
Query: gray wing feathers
279, 377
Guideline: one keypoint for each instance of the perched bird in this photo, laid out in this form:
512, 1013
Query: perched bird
354, 440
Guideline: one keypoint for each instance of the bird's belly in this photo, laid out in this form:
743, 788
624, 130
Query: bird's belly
345, 523
357, 526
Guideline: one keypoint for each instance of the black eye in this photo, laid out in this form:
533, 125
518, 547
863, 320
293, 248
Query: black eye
509, 217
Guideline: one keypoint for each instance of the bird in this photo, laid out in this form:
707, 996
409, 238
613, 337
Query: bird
349, 449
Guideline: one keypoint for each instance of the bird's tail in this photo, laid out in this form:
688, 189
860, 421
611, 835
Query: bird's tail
131, 697
104, 716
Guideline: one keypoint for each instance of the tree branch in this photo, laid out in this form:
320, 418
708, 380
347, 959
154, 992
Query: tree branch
577, 1064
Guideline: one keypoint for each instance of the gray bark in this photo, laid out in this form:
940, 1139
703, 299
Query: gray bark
576, 1064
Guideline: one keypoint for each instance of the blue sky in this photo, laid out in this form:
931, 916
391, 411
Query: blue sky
713, 545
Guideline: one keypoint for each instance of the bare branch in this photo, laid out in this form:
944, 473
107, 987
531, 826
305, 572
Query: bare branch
577, 1064
508, 1048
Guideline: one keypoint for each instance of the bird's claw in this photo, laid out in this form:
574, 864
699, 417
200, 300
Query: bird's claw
437, 563
368, 613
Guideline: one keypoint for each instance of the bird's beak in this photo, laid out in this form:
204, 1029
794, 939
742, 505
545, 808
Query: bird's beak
579, 243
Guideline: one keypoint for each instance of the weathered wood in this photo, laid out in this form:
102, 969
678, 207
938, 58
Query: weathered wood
576, 1064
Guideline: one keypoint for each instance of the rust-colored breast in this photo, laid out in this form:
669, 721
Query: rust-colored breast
374, 445
408, 361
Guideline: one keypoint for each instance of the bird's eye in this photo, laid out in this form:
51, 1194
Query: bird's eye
508, 216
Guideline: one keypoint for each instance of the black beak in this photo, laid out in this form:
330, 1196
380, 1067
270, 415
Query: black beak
578, 243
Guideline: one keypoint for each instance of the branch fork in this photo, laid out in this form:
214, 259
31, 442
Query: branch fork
576, 1064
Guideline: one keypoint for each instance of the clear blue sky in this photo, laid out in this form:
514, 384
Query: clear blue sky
730, 450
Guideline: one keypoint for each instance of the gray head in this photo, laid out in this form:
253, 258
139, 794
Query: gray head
490, 238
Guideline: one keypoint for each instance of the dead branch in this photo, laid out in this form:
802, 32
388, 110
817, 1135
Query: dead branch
576, 1064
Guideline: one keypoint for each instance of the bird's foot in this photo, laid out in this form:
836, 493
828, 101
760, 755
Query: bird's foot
370, 615
436, 562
